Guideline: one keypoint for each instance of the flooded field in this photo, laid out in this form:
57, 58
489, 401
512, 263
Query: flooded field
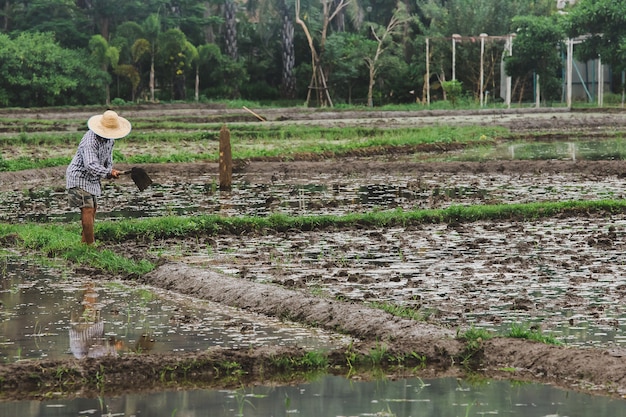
311, 193
45, 315
336, 397
559, 276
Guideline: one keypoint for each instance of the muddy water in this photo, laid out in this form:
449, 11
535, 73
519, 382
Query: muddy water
561, 276
44, 315
336, 396
304, 194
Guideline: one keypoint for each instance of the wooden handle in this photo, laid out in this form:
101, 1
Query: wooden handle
256, 115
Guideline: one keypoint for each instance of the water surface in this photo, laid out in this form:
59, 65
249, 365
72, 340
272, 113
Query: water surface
332, 396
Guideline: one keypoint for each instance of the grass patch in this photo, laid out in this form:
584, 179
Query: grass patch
63, 241
172, 226
518, 331
398, 310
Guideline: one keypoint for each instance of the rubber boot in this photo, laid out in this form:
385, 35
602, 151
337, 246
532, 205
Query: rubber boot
87, 219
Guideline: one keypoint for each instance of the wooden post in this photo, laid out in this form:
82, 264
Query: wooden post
226, 160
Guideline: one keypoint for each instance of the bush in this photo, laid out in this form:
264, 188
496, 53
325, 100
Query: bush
453, 89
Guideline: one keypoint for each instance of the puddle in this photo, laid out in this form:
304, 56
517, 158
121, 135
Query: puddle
44, 315
336, 396
589, 150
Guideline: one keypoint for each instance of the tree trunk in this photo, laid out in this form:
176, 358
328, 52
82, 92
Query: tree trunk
5, 23
370, 87
288, 81
209, 35
230, 23
152, 77
318, 78
197, 84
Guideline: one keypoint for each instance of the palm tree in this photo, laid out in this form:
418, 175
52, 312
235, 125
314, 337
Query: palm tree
106, 56
230, 23
152, 28
193, 57
288, 79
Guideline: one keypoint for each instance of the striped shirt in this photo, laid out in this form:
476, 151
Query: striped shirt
93, 160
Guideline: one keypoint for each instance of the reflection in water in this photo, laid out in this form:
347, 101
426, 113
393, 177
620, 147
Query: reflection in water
87, 339
38, 310
332, 396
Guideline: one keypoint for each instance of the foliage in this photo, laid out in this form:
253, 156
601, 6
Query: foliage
453, 89
152, 56
344, 58
399, 310
536, 51
605, 23
62, 242
165, 227
36, 71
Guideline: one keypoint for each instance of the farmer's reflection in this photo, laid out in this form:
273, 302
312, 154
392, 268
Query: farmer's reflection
87, 339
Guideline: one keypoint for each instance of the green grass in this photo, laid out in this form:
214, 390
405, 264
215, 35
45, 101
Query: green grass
519, 331
164, 227
178, 141
398, 310
63, 241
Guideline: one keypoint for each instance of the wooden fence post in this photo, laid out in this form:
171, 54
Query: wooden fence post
226, 160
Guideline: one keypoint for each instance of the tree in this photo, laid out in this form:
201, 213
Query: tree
382, 36
60, 17
36, 71
288, 55
106, 56
330, 9
605, 23
132, 48
440, 19
230, 29
536, 48
344, 61
174, 61
193, 57
152, 29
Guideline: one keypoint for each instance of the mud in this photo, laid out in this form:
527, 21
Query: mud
600, 370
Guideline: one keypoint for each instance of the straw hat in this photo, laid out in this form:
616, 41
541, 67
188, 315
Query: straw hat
109, 125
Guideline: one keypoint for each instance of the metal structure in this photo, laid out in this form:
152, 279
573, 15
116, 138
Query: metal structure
598, 77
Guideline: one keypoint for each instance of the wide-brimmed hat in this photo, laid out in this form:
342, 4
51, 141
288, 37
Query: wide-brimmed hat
109, 125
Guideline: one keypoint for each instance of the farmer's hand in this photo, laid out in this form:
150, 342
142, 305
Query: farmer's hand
114, 174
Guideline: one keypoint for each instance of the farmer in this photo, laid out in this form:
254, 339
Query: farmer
93, 161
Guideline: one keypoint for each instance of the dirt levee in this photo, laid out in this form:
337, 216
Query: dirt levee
367, 324
601, 370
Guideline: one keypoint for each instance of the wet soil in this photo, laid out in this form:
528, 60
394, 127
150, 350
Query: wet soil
593, 369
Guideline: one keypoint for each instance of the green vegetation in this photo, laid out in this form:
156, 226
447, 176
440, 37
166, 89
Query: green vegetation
58, 52
519, 331
62, 242
473, 338
171, 141
398, 310
165, 227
